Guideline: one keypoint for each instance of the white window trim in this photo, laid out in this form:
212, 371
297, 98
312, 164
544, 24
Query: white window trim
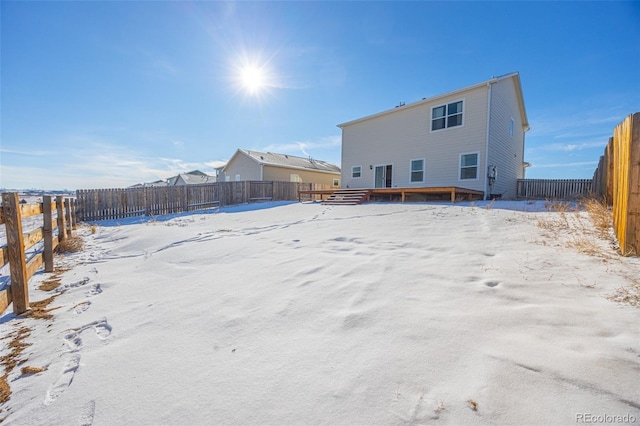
424, 172
464, 103
358, 177
477, 167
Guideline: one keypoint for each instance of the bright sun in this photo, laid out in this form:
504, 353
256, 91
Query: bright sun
253, 79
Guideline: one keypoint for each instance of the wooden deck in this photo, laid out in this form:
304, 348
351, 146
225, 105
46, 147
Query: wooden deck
453, 191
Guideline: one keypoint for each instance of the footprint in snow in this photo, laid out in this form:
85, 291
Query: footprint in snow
72, 336
87, 414
94, 290
81, 307
76, 284
71, 364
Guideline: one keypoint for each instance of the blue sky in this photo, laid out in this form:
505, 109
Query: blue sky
109, 94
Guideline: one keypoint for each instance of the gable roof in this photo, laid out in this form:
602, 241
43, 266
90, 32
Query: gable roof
515, 76
288, 161
194, 178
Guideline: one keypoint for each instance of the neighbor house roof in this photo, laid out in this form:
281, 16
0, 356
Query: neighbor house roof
147, 184
516, 81
193, 177
289, 161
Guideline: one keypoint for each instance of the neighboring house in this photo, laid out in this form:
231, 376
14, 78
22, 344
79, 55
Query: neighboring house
194, 177
148, 184
267, 166
470, 138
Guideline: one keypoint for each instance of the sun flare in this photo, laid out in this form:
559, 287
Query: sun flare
253, 79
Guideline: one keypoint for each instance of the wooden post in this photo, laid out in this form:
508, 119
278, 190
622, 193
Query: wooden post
17, 258
74, 218
633, 204
48, 233
610, 176
67, 215
62, 229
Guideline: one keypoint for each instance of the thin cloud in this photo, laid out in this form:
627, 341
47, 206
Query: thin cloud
571, 122
37, 153
574, 164
328, 142
568, 147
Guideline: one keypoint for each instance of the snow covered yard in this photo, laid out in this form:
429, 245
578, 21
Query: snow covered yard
305, 314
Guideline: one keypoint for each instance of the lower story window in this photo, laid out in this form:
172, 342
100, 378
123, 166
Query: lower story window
469, 166
417, 170
356, 171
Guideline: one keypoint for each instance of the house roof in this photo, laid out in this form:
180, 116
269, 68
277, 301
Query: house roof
147, 184
515, 76
193, 177
288, 161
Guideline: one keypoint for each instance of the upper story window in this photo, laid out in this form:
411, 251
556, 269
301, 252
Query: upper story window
356, 171
445, 116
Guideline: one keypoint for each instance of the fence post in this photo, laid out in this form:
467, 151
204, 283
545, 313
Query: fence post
67, 208
62, 229
633, 206
47, 229
72, 214
17, 258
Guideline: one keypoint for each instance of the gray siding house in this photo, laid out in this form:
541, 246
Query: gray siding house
471, 138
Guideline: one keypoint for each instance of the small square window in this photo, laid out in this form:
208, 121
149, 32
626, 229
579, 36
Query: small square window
455, 108
438, 112
438, 124
454, 120
356, 171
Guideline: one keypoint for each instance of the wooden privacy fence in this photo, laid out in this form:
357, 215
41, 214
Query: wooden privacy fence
100, 204
560, 189
617, 181
12, 214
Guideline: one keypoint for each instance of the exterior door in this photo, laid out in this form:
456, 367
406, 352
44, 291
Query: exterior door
383, 176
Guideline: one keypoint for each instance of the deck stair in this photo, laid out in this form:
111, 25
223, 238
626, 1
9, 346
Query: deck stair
349, 197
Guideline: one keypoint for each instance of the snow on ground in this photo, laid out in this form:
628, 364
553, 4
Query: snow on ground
301, 314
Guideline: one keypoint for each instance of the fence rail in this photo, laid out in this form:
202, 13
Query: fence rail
617, 181
100, 204
19, 242
560, 189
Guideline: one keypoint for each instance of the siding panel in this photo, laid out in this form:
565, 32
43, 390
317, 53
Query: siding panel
405, 134
506, 151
